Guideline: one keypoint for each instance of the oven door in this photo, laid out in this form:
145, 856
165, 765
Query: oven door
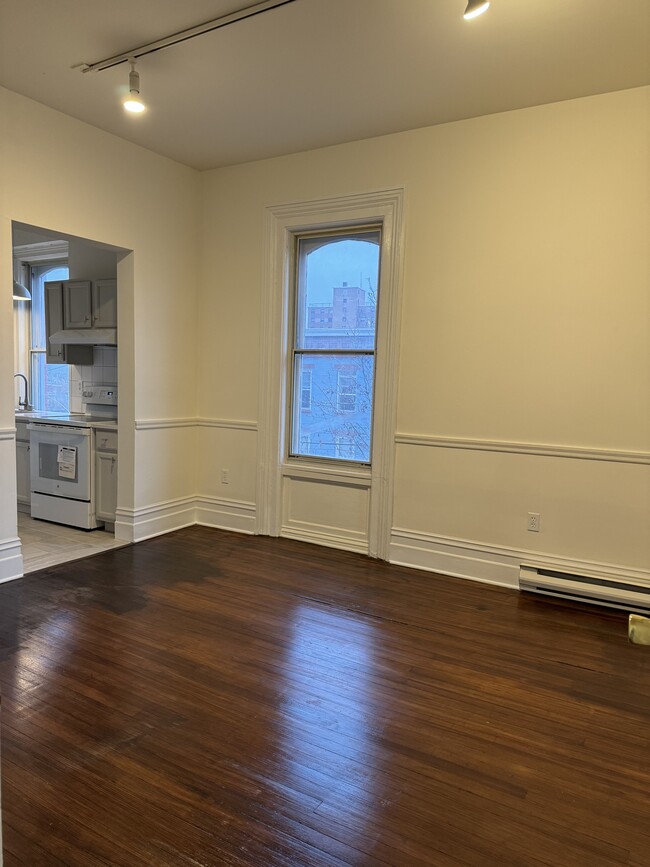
59, 460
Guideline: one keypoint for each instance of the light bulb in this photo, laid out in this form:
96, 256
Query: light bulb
133, 103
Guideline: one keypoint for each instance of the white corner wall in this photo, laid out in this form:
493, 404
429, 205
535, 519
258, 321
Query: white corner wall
525, 347
60, 174
525, 364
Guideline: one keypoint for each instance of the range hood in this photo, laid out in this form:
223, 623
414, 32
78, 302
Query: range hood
85, 337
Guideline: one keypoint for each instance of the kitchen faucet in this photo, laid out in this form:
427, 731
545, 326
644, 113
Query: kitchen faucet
25, 405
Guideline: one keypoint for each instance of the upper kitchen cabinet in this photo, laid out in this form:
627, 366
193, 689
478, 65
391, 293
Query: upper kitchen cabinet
58, 353
54, 354
104, 303
89, 304
77, 304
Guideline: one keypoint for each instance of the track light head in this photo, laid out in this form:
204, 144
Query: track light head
476, 8
133, 103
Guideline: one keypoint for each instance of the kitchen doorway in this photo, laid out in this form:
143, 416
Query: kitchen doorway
66, 380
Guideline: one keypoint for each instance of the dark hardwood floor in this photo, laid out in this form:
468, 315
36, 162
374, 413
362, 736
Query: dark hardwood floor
205, 698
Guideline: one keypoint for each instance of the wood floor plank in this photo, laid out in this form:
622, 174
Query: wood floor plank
205, 698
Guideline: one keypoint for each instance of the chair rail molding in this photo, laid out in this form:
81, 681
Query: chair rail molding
524, 448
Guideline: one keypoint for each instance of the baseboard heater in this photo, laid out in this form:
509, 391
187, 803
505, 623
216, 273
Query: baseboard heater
614, 592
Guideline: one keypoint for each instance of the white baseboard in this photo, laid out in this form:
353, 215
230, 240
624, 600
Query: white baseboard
11, 560
135, 525
491, 564
319, 535
225, 514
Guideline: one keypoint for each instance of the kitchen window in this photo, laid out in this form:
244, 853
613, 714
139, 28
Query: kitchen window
49, 383
332, 356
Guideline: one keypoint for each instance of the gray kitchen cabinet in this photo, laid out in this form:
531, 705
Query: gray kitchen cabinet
104, 303
77, 304
54, 321
90, 304
105, 475
22, 466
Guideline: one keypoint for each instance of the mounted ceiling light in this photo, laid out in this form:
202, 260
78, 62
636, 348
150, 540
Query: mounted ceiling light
133, 103
21, 293
476, 8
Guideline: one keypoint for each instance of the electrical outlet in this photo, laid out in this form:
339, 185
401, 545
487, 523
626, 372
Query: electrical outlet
534, 522
225, 477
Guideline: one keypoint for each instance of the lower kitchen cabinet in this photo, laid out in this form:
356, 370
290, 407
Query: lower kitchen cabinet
22, 466
106, 476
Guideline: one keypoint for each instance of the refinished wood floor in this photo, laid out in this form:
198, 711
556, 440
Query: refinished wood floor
205, 698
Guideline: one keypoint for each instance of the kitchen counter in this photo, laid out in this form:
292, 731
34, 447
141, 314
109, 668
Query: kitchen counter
71, 419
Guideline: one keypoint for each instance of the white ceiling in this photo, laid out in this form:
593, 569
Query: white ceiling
315, 72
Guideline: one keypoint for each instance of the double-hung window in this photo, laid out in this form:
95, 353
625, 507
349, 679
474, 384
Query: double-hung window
49, 383
335, 297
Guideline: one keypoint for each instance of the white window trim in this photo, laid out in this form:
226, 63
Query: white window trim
282, 223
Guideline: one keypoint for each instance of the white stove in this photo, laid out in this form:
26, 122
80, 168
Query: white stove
62, 459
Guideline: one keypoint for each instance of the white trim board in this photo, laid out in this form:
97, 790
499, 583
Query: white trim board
41, 251
11, 559
524, 448
327, 473
491, 564
7, 433
165, 423
135, 525
227, 424
223, 514
329, 537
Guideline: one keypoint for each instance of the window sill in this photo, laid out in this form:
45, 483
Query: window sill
358, 476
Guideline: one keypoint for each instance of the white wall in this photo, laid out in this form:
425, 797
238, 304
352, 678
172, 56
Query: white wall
523, 376
524, 370
63, 175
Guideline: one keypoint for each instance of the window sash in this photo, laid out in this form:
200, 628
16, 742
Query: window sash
362, 329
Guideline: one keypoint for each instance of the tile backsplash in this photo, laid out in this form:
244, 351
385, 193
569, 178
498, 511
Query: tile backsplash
102, 372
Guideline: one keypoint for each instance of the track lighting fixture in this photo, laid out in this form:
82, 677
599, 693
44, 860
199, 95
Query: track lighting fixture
133, 103
21, 293
475, 8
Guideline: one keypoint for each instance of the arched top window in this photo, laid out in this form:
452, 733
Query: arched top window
334, 341
49, 383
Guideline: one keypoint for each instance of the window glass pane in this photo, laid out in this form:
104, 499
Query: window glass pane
337, 423
50, 382
336, 304
40, 274
50, 385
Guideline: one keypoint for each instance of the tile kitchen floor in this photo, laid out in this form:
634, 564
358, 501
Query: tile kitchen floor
46, 544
